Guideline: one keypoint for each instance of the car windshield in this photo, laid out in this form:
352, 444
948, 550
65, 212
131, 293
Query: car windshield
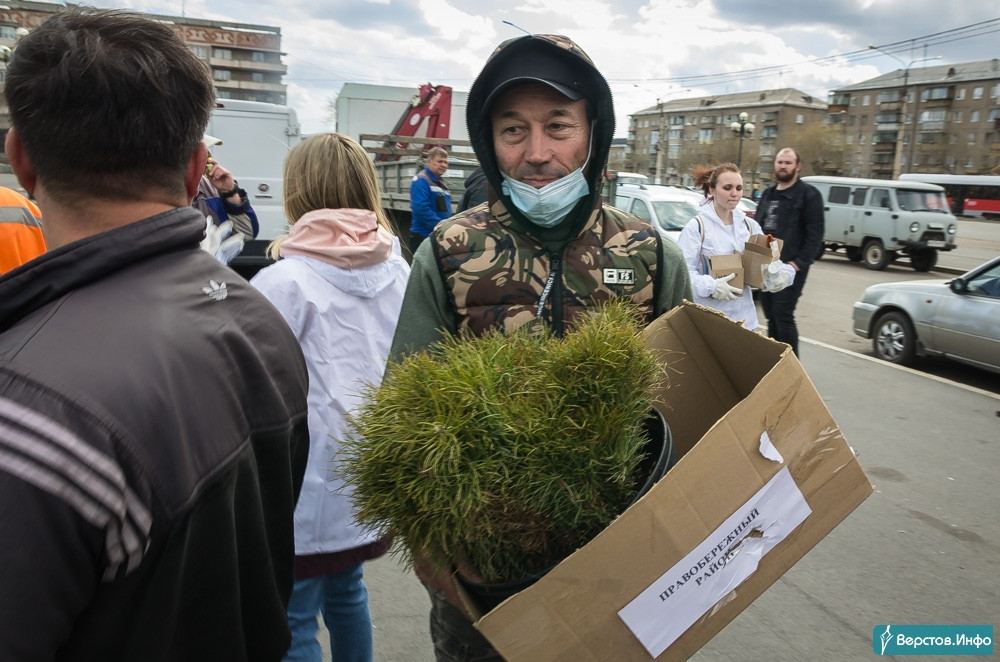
922, 201
674, 215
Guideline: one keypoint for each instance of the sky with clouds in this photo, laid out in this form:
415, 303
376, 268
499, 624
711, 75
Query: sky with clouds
647, 49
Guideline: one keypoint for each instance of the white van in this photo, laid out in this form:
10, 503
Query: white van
876, 220
256, 136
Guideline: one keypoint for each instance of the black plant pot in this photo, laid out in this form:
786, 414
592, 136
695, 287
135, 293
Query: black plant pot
660, 457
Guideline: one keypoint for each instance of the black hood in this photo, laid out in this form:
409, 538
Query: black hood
558, 62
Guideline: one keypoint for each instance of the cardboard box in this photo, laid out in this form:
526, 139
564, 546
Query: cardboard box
757, 254
764, 475
723, 265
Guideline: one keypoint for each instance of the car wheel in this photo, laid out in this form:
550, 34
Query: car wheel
853, 253
894, 339
924, 259
875, 256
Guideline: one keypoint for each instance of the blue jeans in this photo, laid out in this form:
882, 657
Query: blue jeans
342, 599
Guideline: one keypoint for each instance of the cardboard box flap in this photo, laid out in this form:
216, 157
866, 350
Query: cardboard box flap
732, 395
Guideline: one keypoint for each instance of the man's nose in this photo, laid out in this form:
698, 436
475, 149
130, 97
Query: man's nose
537, 149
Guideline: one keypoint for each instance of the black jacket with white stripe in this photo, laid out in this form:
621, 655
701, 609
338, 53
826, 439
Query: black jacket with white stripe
152, 443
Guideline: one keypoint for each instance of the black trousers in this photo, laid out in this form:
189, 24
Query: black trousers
779, 308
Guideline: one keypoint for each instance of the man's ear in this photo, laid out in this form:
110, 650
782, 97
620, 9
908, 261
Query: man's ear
19, 162
196, 168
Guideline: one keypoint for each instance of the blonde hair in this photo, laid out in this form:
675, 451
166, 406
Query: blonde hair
329, 171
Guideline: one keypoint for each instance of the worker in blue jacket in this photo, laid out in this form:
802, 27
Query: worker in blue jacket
430, 201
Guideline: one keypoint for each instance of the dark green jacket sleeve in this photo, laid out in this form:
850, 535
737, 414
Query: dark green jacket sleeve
675, 281
426, 315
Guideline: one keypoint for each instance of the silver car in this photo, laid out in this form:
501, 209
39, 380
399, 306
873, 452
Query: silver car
958, 318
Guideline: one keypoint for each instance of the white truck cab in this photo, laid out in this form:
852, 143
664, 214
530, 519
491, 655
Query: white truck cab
876, 220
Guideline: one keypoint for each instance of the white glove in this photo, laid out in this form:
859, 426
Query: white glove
776, 276
724, 291
218, 242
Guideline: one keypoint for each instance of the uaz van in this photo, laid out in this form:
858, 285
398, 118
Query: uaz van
876, 220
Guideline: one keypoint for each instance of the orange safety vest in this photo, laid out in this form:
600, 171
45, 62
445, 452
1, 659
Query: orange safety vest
20, 230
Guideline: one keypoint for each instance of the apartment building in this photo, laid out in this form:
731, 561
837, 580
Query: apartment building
246, 59
921, 119
668, 139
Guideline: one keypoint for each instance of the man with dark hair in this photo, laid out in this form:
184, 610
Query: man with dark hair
544, 250
792, 211
430, 200
152, 405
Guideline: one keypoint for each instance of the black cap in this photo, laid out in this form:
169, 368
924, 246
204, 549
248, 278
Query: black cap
562, 73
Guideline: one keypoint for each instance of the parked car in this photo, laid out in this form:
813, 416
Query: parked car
668, 208
749, 207
958, 319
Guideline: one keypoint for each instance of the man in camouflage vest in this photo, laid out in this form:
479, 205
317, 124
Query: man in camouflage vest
543, 248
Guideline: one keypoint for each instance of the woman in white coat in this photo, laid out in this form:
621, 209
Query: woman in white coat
339, 283
720, 228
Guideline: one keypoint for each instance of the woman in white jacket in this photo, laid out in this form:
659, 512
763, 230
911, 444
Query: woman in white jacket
339, 284
720, 228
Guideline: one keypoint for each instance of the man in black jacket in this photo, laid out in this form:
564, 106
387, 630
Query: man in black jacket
792, 211
152, 404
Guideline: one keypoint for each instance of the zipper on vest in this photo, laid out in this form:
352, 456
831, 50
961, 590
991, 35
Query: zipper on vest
554, 289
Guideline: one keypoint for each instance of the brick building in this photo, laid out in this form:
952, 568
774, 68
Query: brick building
927, 119
246, 60
682, 133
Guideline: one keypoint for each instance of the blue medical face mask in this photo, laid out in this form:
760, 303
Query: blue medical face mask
547, 206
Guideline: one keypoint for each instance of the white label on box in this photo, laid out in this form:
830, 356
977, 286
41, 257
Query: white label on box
672, 604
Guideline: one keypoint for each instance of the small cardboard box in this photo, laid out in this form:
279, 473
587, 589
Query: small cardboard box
764, 475
757, 254
723, 265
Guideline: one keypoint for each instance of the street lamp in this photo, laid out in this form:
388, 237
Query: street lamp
897, 157
741, 128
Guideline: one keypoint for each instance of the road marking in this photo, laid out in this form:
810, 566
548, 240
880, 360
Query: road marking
903, 368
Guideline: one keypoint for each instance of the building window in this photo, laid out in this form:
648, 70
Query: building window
800, 119
222, 54
769, 132
257, 77
977, 93
850, 139
934, 93
960, 94
866, 100
706, 136
974, 116
223, 94
972, 138
957, 117
889, 96
864, 120
222, 74
994, 114
200, 52
677, 120
257, 56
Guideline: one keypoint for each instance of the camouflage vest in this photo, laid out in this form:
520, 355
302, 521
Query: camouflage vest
496, 277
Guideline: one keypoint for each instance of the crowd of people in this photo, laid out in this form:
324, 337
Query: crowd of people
167, 428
